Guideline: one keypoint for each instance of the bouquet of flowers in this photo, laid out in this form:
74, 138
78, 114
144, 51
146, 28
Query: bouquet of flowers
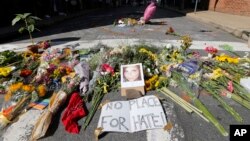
211, 51
183, 84
69, 84
16, 98
107, 82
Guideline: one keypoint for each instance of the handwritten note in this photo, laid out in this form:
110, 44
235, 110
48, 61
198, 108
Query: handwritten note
133, 115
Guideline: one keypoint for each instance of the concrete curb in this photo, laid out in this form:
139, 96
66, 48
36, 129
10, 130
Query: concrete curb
236, 32
196, 45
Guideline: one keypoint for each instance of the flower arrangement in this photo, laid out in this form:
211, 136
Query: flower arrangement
211, 51
107, 82
70, 82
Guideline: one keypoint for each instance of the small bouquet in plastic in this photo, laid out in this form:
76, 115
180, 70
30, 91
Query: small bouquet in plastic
17, 97
69, 84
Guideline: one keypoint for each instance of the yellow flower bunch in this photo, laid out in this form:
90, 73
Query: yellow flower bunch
176, 56
226, 58
41, 89
66, 77
28, 88
152, 83
186, 42
149, 53
217, 73
15, 87
5, 71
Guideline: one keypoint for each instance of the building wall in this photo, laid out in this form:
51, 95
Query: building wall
237, 7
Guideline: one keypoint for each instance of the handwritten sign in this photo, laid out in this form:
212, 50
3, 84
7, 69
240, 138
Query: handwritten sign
133, 115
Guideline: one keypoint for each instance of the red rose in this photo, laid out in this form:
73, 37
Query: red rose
107, 68
211, 49
25, 72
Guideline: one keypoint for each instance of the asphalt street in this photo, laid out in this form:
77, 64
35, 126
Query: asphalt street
98, 25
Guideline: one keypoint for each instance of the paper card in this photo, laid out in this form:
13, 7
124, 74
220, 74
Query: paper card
134, 115
132, 75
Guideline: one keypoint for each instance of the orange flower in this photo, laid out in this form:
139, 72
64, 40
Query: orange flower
28, 88
41, 90
15, 87
68, 70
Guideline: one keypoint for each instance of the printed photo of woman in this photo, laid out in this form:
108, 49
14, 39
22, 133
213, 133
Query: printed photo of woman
131, 73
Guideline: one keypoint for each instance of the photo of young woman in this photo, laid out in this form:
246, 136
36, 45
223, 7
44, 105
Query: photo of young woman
131, 73
132, 78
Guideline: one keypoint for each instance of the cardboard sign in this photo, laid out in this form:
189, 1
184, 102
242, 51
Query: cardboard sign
134, 115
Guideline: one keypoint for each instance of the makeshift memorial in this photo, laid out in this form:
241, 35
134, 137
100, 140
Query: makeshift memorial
29, 79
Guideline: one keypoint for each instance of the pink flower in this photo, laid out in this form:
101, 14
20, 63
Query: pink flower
230, 87
211, 50
107, 68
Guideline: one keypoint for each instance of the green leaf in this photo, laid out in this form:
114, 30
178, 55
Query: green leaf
14, 21
34, 17
19, 15
31, 28
30, 20
20, 30
25, 15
